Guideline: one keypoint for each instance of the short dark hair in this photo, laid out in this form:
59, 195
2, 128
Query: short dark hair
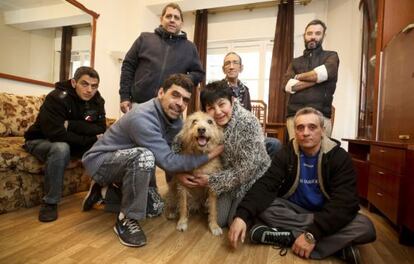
85, 70
309, 110
178, 79
214, 91
316, 22
234, 53
173, 6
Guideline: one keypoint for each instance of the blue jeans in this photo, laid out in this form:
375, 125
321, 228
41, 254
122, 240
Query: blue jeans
56, 156
273, 145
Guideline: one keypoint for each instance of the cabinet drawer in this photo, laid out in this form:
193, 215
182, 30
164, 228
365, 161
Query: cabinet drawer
383, 202
388, 181
389, 158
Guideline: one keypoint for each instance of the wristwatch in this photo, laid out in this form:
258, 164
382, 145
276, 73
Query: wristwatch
309, 238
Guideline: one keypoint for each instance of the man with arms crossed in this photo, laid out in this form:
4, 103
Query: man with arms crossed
311, 78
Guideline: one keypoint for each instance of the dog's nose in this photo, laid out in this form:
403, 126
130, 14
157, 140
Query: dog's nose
201, 130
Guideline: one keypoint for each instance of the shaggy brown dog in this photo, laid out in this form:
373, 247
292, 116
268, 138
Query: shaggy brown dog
199, 135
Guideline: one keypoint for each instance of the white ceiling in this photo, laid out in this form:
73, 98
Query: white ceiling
7, 5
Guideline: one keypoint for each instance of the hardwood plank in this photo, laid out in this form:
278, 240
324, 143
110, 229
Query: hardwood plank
87, 237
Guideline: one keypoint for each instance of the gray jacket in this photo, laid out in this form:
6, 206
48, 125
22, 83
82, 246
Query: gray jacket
144, 126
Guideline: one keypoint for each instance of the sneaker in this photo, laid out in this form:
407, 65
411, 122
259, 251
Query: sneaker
155, 205
130, 232
278, 237
48, 212
92, 197
350, 255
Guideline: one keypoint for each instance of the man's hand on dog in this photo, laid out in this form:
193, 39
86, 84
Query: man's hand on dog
215, 152
237, 231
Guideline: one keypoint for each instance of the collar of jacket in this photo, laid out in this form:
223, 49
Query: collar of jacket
167, 35
314, 52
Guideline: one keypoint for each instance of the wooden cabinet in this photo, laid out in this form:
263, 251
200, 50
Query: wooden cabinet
383, 154
386, 175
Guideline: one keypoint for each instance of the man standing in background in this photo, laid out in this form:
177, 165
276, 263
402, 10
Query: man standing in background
311, 78
232, 66
154, 56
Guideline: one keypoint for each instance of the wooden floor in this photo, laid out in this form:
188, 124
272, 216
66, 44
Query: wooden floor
88, 237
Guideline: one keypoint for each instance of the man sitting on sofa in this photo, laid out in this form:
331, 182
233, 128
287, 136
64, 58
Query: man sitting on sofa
69, 122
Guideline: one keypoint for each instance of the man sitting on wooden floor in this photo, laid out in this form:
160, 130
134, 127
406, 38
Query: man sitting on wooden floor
307, 199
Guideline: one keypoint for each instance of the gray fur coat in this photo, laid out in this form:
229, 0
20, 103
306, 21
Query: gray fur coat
244, 158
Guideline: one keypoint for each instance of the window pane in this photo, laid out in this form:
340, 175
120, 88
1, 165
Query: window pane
215, 58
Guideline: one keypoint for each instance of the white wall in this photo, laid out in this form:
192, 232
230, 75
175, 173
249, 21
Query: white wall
121, 21
344, 36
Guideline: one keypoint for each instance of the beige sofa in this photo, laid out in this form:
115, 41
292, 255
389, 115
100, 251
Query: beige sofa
21, 174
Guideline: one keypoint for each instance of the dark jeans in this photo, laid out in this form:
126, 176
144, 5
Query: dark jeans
56, 156
273, 145
132, 169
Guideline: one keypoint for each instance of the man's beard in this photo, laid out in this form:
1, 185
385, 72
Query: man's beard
313, 44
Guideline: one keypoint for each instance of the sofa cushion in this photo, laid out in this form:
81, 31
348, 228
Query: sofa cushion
13, 156
18, 113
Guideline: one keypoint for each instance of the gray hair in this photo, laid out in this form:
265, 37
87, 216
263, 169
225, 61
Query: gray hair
309, 110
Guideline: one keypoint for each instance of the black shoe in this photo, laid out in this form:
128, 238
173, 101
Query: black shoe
130, 232
350, 255
278, 237
48, 212
92, 197
155, 204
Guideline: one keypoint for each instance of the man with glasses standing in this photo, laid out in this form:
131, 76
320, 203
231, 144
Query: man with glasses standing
232, 67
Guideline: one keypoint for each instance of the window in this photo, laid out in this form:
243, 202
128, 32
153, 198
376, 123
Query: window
256, 57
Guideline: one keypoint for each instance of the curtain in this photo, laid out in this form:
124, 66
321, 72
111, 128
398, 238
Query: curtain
281, 58
200, 40
66, 52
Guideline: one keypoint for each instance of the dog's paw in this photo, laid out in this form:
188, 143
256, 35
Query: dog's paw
215, 229
182, 226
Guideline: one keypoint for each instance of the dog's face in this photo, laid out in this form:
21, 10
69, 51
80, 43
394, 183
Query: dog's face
200, 133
